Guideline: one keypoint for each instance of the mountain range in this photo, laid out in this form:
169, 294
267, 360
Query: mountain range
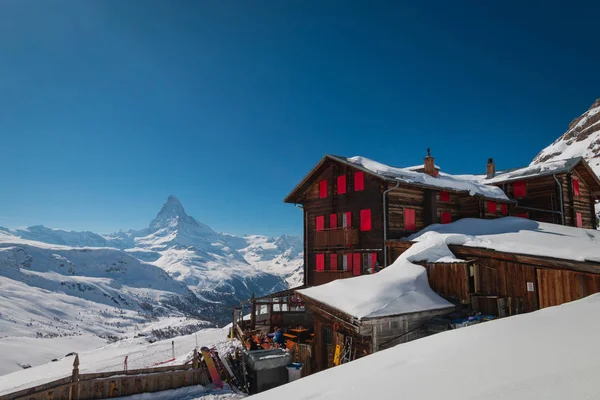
176, 266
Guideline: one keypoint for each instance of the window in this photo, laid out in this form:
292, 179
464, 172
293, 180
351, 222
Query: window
347, 220
523, 215
359, 181
579, 220
322, 189
492, 208
444, 196
341, 184
332, 221
365, 220
576, 187
409, 219
320, 223
519, 189
320, 262
346, 262
356, 263
504, 209
369, 260
333, 262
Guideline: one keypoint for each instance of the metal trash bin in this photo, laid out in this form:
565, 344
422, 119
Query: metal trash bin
267, 369
294, 371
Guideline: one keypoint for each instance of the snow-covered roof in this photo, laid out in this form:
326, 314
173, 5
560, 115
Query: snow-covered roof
516, 235
551, 354
442, 181
531, 171
400, 288
420, 166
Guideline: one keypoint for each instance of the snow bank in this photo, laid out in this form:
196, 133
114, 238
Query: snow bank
443, 181
398, 289
549, 354
515, 235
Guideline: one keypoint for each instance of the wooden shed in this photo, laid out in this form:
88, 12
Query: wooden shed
511, 277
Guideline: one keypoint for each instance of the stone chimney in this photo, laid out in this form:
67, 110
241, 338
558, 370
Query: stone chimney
491, 168
429, 164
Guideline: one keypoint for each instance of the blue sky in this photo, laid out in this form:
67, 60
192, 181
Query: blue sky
107, 107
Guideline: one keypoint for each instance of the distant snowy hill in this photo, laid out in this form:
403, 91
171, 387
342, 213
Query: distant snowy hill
219, 269
581, 139
51, 290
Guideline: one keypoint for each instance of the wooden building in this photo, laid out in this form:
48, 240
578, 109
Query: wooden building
560, 192
353, 205
509, 276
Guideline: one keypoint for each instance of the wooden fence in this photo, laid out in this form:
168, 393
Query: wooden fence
116, 383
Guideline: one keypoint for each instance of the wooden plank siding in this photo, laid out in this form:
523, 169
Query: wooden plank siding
352, 201
450, 280
542, 193
584, 203
560, 286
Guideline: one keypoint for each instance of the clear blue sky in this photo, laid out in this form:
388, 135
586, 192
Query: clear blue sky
107, 107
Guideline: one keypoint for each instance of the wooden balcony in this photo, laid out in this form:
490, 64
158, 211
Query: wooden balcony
336, 238
322, 277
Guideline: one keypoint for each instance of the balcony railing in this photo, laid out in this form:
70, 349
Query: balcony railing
337, 237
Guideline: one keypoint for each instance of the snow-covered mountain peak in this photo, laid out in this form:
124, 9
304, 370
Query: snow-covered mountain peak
581, 139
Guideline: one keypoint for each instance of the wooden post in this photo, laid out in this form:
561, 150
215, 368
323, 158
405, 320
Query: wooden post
74, 389
252, 312
196, 360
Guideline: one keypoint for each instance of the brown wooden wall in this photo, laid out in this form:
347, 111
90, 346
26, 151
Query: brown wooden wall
584, 203
352, 201
560, 286
405, 196
450, 280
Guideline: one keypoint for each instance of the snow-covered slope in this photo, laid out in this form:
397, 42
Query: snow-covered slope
581, 139
548, 354
110, 357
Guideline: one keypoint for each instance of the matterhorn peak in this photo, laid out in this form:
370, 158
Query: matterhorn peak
171, 213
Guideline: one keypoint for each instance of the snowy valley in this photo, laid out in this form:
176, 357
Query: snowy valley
82, 289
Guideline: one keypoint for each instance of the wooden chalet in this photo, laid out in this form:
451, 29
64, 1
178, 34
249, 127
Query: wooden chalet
353, 205
560, 192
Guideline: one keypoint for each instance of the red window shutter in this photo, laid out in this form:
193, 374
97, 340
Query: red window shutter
504, 209
320, 262
446, 217
359, 181
348, 221
409, 219
322, 189
356, 265
576, 187
320, 223
332, 221
333, 262
579, 220
523, 215
373, 261
365, 220
492, 208
445, 196
519, 189
341, 184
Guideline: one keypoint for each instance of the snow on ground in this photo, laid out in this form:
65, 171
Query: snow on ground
18, 351
187, 393
517, 235
400, 288
443, 181
550, 354
110, 357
